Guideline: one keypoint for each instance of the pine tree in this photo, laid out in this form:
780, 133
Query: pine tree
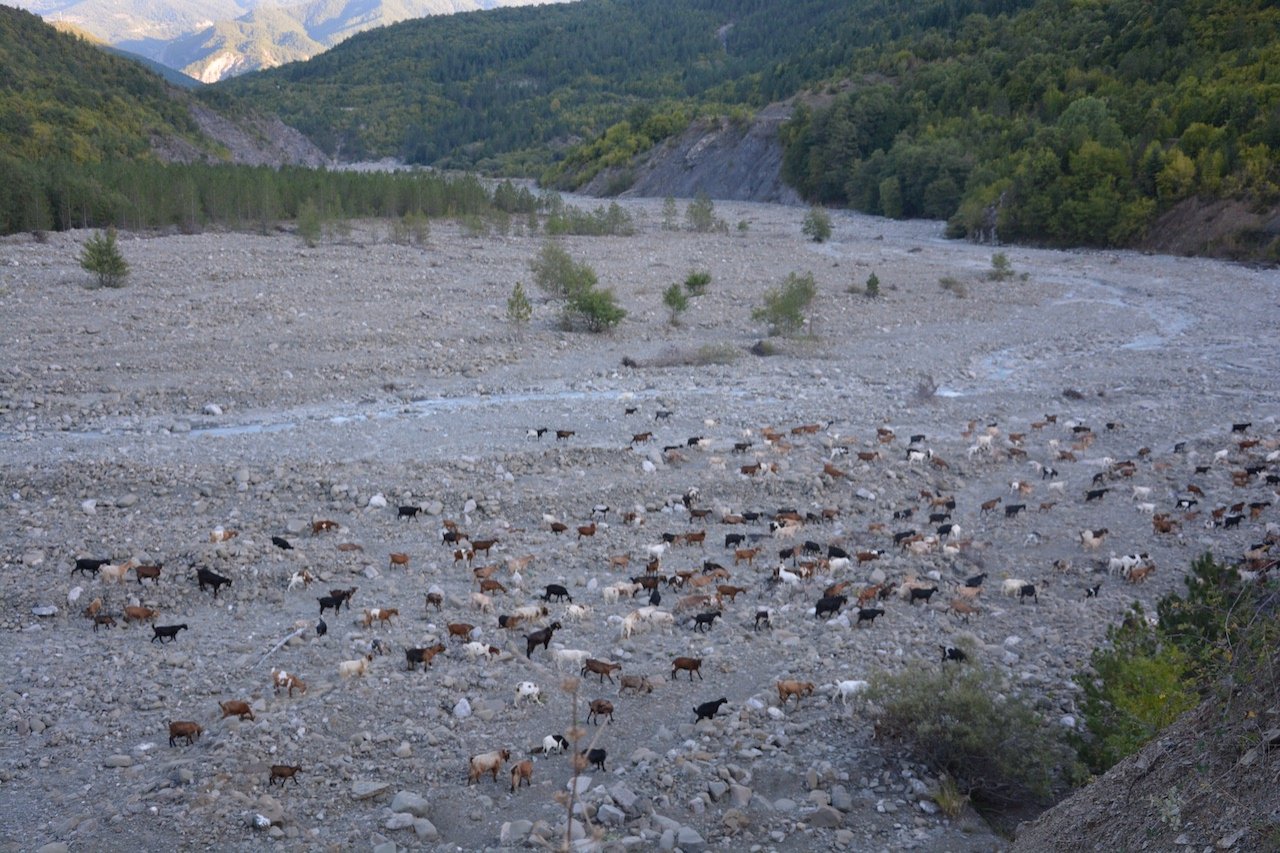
101, 256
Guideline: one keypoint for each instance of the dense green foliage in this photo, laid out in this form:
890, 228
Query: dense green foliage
519, 311
963, 721
556, 273
101, 256
1223, 629
676, 301
1069, 123
61, 98
142, 194
785, 306
817, 225
697, 282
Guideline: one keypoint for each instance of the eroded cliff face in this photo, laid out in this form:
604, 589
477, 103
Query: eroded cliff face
733, 161
249, 141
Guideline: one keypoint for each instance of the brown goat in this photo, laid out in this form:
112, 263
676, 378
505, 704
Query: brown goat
490, 585
798, 689
399, 559
184, 728
236, 708
461, 630
284, 772
689, 665
152, 572
93, 608
134, 613
488, 762
379, 614
600, 708
323, 526
601, 668
521, 774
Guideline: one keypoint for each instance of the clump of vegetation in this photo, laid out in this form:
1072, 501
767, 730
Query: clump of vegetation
873, 286
676, 301
309, 223
411, 229
954, 286
1219, 636
722, 353
784, 307
519, 311
701, 215
817, 225
696, 282
1001, 268
670, 215
965, 722
743, 226
603, 221
586, 305
101, 256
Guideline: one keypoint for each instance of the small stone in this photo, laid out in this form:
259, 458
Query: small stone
53, 847
610, 815
44, 610
378, 501
515, 831
404, 750
119, 760
89, 507
385, 847
212, 409
826, 818
426, 830
127, 501
688, 840
399, 820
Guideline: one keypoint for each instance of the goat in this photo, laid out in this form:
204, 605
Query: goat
1091, 539
953, 653
408, 511
530, 691
869, 614
571, 657
595, 757
284, 772
689, 665
745, 554
324, 525
424, 656
354, 668
1095, 494
703, 621
219, 534
103, 619
521, 773
728, 591
540, 637
236, 708
163, 632
184, 728
600, 708
601, 668
482, 602
378, 614
461, 630
301, 578
473, 650
115, 572
489, 585
488, 762
152, 572
206, 577
762, 617
280, 678
436, 598
134, 613
830, 605
553, 744
88, 565
398, 559
798, 689
1011, 510
1028, 590
849, 689
638, 683
587, 530
1140, 574
708, 710
916, 593
962, 608
557, 592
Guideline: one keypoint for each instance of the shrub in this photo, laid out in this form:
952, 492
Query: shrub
723, 353
597, 310
310, 224
817, 225
670, 215
519, 311
873, 286
101, 257
677, 303
701, 215
696, 282
412, 229
964, 721
784, 307
1001, 268
953, 285
557, 274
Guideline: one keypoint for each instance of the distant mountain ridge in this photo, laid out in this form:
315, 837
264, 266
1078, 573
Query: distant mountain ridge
211, 40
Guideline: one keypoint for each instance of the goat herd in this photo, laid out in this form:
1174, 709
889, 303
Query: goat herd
907, 556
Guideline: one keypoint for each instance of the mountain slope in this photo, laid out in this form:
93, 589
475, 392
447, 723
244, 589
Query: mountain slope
220, 38
65, 100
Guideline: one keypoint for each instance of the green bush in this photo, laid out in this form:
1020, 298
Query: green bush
557, 274
696, 282
1001, 268
965, 722
670, 215
519, 311
701, 215
677, 303
873, 286
310, 223
784, 307
817, 225
101, 257
411, 229
595, 309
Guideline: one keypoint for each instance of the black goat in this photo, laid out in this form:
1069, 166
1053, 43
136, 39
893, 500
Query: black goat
322, 628
869, 614
1028, 590
1092, 592
408, 511
976, 580
211, 578
920, 594
708, 710
539, 638
830, 605
1095, 494
330, 602
1012, 510
163, 632
557, 592
733, 540
281, 543
835, 552
952, 653
704, 621
88, 565
596, 757
762, 616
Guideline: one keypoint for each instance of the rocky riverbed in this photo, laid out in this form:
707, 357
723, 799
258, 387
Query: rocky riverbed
247, 383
